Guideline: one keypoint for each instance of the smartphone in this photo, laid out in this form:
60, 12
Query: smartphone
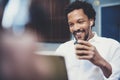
81, 49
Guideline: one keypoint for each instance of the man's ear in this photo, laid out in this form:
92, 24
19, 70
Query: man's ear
91, 22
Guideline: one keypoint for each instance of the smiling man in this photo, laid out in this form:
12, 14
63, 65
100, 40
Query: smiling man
88, 56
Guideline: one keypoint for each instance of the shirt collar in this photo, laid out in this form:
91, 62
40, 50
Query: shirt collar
94, 38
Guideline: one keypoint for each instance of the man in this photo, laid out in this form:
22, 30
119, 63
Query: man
88, 56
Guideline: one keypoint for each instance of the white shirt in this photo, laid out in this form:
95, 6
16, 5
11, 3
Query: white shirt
77, 69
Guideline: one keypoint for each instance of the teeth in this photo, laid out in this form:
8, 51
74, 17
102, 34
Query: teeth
78, 33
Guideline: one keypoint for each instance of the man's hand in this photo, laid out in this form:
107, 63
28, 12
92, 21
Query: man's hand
85, 50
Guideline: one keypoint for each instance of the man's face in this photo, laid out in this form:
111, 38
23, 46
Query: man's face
79, 24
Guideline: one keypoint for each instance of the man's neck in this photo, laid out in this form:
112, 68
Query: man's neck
91, 35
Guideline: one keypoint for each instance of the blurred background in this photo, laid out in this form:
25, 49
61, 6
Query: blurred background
46, 18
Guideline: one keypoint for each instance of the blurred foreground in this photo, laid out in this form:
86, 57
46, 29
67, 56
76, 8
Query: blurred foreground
19, 61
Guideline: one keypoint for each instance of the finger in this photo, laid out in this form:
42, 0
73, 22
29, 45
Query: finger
84, 43
83, 52
81, 47
85, 57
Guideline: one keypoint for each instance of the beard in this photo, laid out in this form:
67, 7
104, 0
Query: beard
85, 38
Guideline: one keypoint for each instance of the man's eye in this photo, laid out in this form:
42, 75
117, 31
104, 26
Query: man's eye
81, 22
70, 24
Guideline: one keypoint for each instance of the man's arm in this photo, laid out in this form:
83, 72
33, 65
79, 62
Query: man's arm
85, 50
103, 64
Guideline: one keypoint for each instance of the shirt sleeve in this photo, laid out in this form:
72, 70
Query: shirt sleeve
60, 50
115, 64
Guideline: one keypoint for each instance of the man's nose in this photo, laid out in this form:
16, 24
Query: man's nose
76, 27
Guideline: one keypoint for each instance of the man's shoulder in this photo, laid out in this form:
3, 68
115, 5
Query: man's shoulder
70, 42
66, 45
108, 40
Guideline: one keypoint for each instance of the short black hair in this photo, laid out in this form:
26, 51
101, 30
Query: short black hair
87, 8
